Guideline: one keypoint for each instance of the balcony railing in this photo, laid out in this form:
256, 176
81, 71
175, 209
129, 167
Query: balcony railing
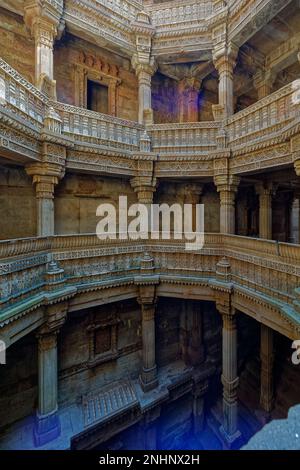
268, 268
269, 115
183, 138
20, 97
101, 129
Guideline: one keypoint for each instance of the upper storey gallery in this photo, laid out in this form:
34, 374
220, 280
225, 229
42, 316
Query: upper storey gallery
153, 61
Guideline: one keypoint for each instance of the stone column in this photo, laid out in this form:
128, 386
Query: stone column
222, 286
145, 186
44, 35
295, 220
230, 380
44, 22
191, 334
199, 392
227, 187
266, 374
188, 100
265, 193
44, 186
225, 64
263, 83
192, 195
144, 63
144, 74
148, 376
45, 177
229, 377
47, 425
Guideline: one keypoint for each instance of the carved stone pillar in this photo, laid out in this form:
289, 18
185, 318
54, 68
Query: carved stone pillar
45, 178
188, 99
192, 195
147, 281
191, 334
45, 23
295, 220
230, 379
225, 64
148, 376
223, 289
266, 373
47, 425
144, 63
227, 187
263, 83
144, 74
145, 187
265, 193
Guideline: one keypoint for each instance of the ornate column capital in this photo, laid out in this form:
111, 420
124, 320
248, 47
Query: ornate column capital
227, 183
192, 193
265, 189
144, 70
144, 187
43, 16
45, 177
224, 57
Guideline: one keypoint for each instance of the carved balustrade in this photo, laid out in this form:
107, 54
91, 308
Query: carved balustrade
20, 98
101, 129
183, 138
267, 268
264, 118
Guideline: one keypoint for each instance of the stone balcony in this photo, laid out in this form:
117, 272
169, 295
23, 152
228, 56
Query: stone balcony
264, 275
29, 117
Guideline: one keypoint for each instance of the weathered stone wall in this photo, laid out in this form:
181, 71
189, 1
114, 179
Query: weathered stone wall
16, 45
18, 381
17, 204
75, 377
78, 196
66, 56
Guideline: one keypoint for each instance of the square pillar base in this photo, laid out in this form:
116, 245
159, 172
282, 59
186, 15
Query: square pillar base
229, 439
148, 379
46, 428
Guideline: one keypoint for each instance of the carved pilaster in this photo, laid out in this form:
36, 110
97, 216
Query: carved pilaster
266, 373
263, 83
265, 192
227, 186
